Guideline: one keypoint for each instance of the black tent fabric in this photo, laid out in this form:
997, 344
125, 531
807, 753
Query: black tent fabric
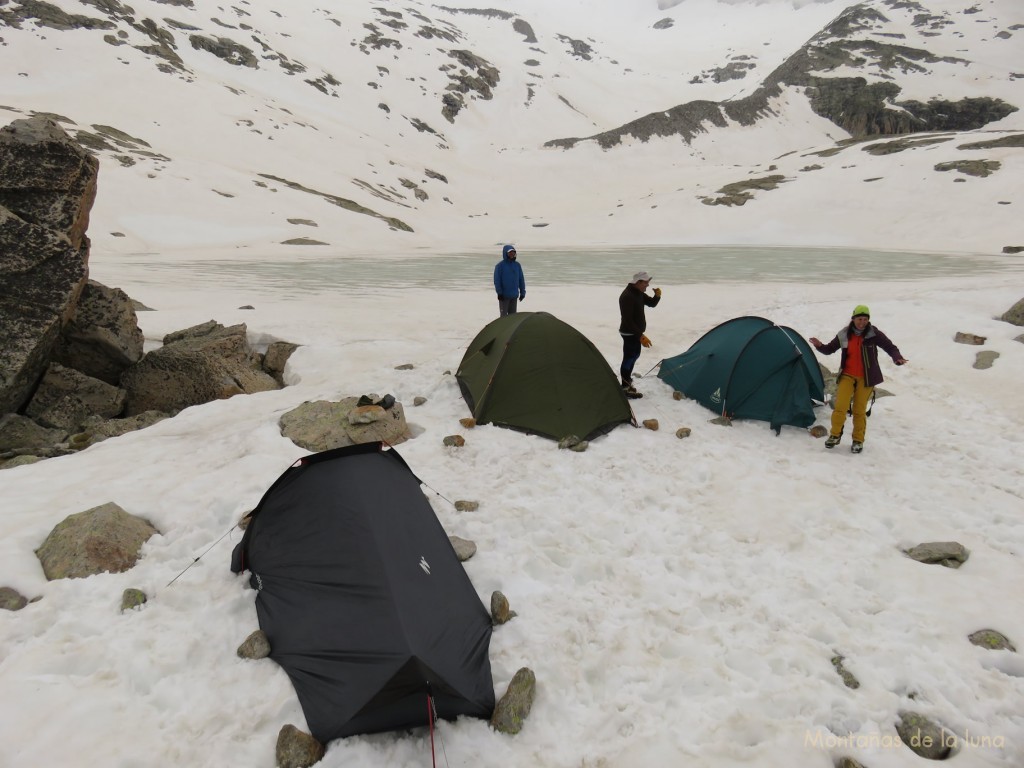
364, 602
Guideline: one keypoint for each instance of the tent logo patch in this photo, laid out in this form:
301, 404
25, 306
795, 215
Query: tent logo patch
716, 396
424, 565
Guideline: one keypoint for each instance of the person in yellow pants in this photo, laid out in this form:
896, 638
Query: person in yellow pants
859, 373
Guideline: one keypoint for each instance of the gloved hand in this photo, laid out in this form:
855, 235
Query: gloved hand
522, 296
657, 291
644, 341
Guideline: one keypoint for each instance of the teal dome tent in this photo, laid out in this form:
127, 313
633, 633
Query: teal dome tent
750, 368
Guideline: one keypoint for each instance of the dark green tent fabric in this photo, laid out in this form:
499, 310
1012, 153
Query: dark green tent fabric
532, 372
749, 367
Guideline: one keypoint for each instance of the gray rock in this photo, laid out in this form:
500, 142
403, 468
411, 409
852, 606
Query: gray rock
322, 425
651, 424
103, 337
948, 553
1010, 249
454, 441
99, 540
683, 432
580, 447
924, 736
67, 397
19, 434
132, 598
722, 421
817, 431
992, 640
1014, 314
984, 360
195, 367
276, 358
514, 707
969, 338
47, 189
297, 749
463, 505
848, 679
464, 548
500, 612
419, 400
568, 441
11, 599
255, 646
19, 461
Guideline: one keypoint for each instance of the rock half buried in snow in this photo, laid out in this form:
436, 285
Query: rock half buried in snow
992, 640
514, 707
951, 554
99, 540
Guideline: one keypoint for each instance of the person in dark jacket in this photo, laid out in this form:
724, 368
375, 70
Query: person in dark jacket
509, 282
859, 373
632, 325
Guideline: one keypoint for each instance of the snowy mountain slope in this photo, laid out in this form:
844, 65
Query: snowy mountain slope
426, 126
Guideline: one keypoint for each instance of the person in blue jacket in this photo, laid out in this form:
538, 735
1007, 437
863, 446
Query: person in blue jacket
509, 282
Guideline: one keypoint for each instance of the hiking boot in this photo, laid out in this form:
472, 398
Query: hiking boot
632, 394
833, 441
856, 447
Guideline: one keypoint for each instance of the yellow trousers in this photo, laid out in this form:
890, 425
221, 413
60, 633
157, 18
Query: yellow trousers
849, 388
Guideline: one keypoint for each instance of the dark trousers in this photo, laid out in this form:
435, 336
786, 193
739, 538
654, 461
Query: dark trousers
507, 306
630, 354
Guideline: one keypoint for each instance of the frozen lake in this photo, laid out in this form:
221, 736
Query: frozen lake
307, 271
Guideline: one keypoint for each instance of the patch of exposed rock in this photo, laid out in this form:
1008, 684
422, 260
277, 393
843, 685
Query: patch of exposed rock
322, 425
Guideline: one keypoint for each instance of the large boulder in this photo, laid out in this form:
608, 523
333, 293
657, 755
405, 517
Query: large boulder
198, 365
1014, 314
322, 425
66, 398
100, 540
102, 338
47, 188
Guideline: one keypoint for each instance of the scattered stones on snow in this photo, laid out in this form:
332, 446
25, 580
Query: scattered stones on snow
469, 422
464, 548
419, 400
683, 432
404, 367
969, 338
132, 598
1014, 314
500, 611
255, 646
925, 737
297, 749
11, 599
463, 505
723, 421
651, 424
848, 679
817, 431
984, 360
514, 707
322, 425
951, 554
992, 640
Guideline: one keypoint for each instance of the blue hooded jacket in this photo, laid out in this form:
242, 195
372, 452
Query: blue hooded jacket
508, 276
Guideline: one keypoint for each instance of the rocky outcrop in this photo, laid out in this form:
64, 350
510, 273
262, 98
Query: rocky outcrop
47, 188
855, 104
102, 338
197, 365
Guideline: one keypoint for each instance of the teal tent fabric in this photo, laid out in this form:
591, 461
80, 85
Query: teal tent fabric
750, 368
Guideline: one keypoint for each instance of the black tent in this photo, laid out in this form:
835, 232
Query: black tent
364, 602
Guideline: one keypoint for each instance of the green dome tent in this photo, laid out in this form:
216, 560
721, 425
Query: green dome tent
749, 367
532, 372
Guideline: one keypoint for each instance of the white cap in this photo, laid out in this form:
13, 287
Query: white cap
641, 276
